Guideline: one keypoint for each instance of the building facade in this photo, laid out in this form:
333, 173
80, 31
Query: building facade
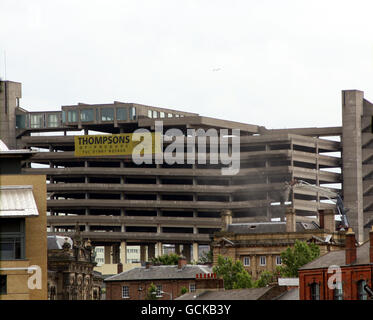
23, 229
259, 245
319, 280
70, 269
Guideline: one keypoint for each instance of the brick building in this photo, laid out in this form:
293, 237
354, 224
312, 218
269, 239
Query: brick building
169, 280
259, 245
356, 265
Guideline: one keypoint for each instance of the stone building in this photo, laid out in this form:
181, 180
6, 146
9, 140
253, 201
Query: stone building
259, 245
318, 279
70, 269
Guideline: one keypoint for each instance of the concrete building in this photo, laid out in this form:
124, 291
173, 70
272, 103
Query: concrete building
318, 280
259, 245
118, 203
23, 229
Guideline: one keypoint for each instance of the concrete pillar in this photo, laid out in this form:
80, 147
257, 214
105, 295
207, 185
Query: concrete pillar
116, 253
177, 249
151, 250
352, 110
186, 252
195, 251
142, 253
123, 252
107, 254
159, 249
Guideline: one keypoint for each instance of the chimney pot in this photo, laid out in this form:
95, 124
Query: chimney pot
119, 268
181, 262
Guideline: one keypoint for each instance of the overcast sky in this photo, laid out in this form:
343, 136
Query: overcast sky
280, 64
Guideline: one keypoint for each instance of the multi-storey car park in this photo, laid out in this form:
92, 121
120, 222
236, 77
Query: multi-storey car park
117, 203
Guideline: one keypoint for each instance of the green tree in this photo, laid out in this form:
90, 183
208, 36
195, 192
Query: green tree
266, 277
298, 256
184, 290
166, 259
233, 273
152, 292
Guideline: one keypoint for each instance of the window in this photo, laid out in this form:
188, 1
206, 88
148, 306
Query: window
63, 116
21, 121
12, 239
177, 116
3, 289
361, 293
263, 260
169, 115
107, 114
246, 261
315, 291
53, 120
192, 287
150, 114
125, 292
278, 260
161, 114
121, 113
72, 116
155, 114
37, 121
133, 113
338, 291
159, 290
86, 115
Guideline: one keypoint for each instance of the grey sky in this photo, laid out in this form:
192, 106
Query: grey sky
273, 63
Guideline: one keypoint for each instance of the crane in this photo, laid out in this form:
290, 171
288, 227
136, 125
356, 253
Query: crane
331, 195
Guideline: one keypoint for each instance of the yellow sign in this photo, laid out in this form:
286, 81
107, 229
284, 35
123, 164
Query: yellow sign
117, 144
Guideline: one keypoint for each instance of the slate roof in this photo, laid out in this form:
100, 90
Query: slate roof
235, 294
161, 273
292, 294
269, 227
339, 258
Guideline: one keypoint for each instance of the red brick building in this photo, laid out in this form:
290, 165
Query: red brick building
169, 280
356, 267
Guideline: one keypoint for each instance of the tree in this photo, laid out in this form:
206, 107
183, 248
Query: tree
266, 277
184, 290
166, 259
294, 258
234, 274
152, 292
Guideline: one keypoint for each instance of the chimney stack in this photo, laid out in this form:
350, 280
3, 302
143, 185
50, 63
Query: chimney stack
371, 245
226, 217
181, 262
291, 223
329, 220
119, 268
350, 246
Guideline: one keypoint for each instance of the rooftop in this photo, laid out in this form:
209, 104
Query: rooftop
339, 258
161, 273
269, 227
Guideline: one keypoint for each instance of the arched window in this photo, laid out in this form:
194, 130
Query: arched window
315, 291
338, 291
361, 293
